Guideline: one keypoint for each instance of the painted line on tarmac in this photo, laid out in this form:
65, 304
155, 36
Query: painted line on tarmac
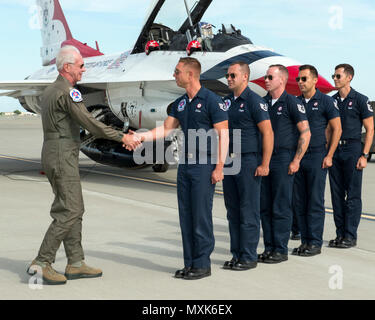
366, 216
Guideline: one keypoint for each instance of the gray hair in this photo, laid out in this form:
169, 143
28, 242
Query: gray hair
66, 55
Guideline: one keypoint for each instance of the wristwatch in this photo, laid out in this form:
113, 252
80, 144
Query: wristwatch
365, 155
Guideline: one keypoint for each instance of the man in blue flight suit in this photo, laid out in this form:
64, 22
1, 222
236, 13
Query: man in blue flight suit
310, 180
247, 112
197, 110
291, 139
350, 158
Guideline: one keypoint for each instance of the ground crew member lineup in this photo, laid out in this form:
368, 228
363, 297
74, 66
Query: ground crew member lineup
285, 148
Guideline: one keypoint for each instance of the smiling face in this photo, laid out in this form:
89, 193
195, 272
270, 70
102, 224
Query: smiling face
341, 78
75, 70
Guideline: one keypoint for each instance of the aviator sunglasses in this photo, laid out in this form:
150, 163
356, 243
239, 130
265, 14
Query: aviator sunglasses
338, 76
268, 77
304, 79
232, 75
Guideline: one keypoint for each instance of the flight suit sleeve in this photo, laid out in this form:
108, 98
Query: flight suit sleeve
79, 113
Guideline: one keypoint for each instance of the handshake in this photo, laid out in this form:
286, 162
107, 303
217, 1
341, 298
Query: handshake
132, 140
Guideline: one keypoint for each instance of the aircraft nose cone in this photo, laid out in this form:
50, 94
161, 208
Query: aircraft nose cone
324, 86
292, 87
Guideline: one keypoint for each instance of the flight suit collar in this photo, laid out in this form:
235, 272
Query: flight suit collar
202, 93
317, 96
351, 95
245, 94
282, 98
63, 82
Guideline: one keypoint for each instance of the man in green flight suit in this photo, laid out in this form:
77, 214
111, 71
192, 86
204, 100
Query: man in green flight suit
63, 113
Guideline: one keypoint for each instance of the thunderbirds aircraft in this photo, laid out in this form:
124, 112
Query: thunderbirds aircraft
133, 89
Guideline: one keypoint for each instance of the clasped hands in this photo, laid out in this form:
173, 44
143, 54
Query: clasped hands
131, 140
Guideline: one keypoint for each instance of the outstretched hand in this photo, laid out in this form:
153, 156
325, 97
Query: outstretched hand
131, 141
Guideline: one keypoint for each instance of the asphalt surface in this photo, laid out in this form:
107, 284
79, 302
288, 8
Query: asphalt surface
131, 231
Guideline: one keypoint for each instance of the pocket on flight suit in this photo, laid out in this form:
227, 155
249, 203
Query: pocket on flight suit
68, 158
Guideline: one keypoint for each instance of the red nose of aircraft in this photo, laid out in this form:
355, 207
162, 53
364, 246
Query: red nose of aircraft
292, 86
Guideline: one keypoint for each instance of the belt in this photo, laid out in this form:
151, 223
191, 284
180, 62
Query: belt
239, 155
57, 136
189, 155
347, 141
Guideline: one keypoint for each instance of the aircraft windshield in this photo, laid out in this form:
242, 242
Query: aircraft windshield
173, 13
169, 24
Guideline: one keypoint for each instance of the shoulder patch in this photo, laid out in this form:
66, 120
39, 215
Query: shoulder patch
335, 103
369, 107
181, 105
224, 106
301, 108
228, 103
264, 106
76, 95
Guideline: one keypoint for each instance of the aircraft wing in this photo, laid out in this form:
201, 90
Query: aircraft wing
25, 84
16, 89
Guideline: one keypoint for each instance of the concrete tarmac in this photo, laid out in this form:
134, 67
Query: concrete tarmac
131, 231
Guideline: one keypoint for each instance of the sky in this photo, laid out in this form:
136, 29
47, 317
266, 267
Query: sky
323, 33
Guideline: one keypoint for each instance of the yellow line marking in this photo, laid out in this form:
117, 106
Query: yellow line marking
19, 159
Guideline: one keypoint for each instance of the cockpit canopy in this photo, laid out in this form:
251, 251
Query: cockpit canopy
174, 23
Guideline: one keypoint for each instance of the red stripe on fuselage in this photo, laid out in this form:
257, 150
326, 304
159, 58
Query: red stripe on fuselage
292, 86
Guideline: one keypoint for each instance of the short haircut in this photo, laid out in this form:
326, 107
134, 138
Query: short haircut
312, 69
192, 63
281, 68
244, 66
66, 55
348, 69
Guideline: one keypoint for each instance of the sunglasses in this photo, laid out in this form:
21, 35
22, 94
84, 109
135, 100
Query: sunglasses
338, 76
268, 77
304, 79
232, 75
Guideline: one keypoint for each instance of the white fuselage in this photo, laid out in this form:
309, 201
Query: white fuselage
144, 85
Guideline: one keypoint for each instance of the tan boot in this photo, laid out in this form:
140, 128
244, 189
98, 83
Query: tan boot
84, 271
49, 275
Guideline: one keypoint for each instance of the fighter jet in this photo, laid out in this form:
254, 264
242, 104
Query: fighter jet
133, 89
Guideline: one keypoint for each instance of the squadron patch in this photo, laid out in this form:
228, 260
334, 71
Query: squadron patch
181, 106
76, 95
228, 103
301, 108
369, 107
224, 106
264, 107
